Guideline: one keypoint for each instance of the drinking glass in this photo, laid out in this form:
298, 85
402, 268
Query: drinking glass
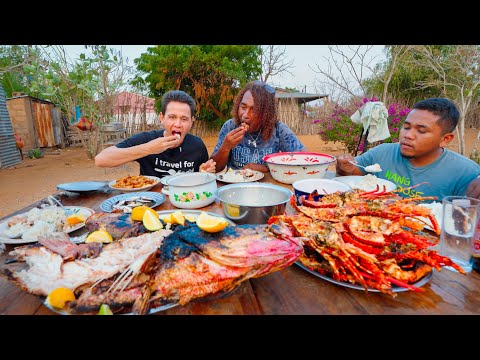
458, 228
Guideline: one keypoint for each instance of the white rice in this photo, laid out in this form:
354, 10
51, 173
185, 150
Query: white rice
368, 182
373, 168
39, 222
237, 175
436, 210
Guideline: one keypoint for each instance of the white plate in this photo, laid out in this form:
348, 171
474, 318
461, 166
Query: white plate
234, 176
107, 205
357, 182
394, 288
144, 188
193, 213
73, 209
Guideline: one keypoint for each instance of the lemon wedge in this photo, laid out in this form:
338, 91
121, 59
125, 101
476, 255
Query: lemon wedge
168, 219
59, 297
105, 310
178, 217
137, 212
75, 219
211, 223
233, 210
151, 220
99, 236
190, 218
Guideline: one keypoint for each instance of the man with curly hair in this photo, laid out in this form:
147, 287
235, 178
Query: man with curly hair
254, 131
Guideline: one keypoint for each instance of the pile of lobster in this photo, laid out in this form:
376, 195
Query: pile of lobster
375, 239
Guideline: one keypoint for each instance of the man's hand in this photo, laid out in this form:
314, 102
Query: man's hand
234, 137
344, 167
208, 166
159, 145
473, 189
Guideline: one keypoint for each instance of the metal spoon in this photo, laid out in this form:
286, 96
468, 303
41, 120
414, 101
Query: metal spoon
367, 168
67, 211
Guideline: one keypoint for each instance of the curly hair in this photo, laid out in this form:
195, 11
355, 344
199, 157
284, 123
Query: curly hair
264, 107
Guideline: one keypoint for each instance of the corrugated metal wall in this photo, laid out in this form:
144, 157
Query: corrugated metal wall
43, 124
57, 125
9, 154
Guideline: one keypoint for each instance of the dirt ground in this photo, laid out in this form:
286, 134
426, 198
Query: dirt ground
34, 179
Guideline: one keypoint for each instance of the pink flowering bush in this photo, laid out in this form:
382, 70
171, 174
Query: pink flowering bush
338, 127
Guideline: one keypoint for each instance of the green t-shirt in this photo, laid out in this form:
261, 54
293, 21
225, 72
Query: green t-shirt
450, 174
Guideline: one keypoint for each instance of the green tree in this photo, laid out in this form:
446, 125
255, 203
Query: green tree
90, 82
426, 71
12, 60
211, 74
404, 77
456, 75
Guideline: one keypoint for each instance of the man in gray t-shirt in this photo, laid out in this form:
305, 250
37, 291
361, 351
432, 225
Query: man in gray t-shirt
421, 156
254, 131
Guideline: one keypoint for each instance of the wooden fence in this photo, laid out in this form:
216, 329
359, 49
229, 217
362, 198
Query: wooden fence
288, 112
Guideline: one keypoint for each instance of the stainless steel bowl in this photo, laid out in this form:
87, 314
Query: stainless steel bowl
253, 203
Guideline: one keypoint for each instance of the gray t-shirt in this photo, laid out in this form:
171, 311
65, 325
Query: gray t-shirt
282, 139
450, 174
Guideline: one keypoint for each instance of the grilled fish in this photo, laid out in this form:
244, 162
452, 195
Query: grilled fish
118, 224
195, 264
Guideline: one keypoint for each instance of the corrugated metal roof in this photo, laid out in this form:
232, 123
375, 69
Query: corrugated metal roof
32, 97
301, 97
9, 154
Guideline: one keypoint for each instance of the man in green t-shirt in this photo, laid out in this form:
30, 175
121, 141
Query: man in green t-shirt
421, 155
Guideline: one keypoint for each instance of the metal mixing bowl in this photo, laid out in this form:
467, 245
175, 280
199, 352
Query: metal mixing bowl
253, 203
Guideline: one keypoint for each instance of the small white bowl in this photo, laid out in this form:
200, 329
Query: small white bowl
288, 167
323, 187
191, 190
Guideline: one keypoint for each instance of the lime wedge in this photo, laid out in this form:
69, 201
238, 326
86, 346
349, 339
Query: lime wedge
105, 310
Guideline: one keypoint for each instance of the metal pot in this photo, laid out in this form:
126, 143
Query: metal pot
253, 203
191, 190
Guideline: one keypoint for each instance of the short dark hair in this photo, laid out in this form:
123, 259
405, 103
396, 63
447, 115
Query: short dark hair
178, 96
444, 108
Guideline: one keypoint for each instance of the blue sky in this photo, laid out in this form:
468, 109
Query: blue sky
305, 57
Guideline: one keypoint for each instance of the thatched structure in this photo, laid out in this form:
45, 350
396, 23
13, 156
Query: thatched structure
292, 110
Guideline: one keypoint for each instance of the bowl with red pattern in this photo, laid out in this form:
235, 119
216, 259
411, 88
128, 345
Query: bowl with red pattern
288, 167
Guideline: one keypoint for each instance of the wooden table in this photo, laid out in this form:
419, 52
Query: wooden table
289, 291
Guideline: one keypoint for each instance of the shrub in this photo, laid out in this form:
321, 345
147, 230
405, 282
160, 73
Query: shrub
475, 156
35, 154
338, 127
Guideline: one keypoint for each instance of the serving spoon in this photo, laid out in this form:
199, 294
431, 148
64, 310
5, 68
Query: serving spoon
369, 168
